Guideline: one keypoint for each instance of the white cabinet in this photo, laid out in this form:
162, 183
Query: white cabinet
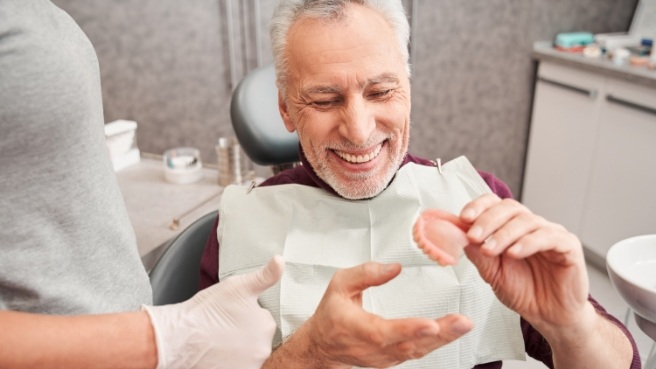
621, 197
591, 162
561, 143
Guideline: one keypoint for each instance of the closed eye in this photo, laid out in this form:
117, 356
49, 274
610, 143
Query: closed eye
380, 94
325, 103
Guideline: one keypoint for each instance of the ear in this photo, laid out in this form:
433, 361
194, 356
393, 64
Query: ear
284, 113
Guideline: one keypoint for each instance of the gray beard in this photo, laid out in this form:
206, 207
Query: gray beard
359, 188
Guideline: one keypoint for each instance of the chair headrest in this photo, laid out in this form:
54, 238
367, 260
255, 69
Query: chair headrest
257, 122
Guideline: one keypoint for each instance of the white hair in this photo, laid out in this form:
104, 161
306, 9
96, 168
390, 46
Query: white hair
290, 11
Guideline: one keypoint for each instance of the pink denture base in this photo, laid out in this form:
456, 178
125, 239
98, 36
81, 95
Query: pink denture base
441, 235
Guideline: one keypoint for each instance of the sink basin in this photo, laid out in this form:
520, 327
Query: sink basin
631, 266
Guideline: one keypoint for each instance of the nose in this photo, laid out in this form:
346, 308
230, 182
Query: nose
358, 122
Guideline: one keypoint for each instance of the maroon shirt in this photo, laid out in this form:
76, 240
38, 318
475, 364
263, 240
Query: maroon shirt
535, 345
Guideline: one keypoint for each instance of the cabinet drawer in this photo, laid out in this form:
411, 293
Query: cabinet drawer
631, 97
571, 81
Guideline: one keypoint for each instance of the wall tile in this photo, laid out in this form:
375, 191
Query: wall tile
473, 75
162, 64
165, 64
471, 83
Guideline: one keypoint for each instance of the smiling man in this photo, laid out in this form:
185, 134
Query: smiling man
349, 100
343, 222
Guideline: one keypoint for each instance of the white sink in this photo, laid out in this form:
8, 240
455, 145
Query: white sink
631, 266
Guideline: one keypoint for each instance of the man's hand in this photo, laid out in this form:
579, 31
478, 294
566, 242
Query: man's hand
535, 267
222, 326
341, 334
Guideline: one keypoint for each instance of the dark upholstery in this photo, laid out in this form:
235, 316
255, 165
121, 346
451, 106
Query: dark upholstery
257, 122
174, 278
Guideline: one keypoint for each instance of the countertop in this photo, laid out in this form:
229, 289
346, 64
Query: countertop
153, 203
543, 51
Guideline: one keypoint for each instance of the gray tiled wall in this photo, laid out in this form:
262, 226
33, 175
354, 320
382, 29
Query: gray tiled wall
473, 76
166, 64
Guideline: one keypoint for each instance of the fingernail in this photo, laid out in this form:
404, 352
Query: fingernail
490, 243
460, 327
468, 214
475, 232
517, 249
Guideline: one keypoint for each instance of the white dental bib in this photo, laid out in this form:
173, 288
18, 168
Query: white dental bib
318, 233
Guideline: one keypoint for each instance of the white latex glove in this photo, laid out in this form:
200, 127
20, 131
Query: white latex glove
221, 327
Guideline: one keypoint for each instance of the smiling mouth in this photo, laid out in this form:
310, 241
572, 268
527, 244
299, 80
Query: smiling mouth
360, 158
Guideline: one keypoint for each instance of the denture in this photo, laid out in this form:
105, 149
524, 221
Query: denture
442, 236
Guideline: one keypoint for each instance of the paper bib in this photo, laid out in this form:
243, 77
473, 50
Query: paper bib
318, 233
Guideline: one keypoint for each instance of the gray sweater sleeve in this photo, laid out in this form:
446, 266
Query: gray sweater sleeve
67, 246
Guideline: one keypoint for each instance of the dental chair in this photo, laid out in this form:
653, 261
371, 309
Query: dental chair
257, 122
175, 275
263, 137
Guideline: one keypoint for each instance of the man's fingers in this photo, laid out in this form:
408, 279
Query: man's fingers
493, 218
451, 328
476, 207
357, 279
442, 330
561, 245
512, 231
260, 280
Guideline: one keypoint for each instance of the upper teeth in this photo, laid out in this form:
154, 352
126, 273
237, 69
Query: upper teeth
359, 158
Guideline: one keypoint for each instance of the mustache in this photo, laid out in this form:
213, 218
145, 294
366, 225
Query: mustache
346, 145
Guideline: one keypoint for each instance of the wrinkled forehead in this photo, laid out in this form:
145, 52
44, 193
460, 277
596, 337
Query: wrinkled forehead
361, 42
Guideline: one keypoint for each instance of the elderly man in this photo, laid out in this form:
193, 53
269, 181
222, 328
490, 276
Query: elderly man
343, 75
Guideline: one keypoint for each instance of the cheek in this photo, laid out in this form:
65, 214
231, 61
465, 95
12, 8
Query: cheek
316, 125
395, 118
303, 120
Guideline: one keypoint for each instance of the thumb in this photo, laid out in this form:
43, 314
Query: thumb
257, 282
484, 264
475, 255
359, 278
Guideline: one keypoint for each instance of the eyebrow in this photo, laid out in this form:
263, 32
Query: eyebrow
383, 78
321, 90
334, 89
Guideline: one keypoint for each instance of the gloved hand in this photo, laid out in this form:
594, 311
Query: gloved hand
221, 327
